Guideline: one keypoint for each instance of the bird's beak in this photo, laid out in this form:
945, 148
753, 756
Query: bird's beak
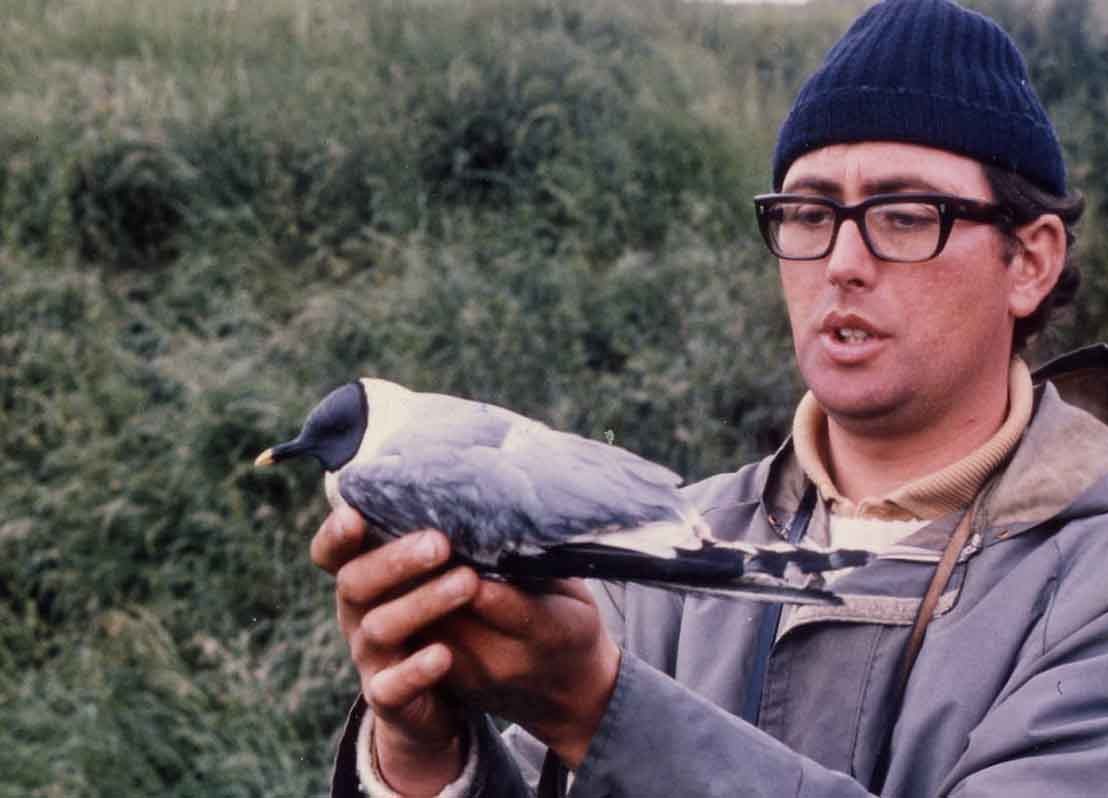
280, 452
264, 459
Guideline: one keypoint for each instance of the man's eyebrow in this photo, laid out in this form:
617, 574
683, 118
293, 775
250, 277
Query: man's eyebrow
894, 185
814, 185
884, 185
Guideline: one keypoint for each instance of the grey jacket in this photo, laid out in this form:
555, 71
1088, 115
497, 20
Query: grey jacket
1009, 695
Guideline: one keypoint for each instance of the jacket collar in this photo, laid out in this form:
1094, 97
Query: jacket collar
1062, 454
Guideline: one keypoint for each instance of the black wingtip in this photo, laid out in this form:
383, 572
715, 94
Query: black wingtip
848, 558
807, 560
709, 571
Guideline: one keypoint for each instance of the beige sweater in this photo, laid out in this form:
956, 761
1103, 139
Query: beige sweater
876, 522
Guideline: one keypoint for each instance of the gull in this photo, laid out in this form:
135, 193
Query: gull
524, 502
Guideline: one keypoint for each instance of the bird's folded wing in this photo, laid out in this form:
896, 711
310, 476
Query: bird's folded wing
485, 466
752, 572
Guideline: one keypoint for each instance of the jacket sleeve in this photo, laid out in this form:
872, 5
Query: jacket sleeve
1045, 734
1048, 736
658, 738
1047, 731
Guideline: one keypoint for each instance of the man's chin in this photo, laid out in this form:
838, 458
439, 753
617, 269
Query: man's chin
868, 413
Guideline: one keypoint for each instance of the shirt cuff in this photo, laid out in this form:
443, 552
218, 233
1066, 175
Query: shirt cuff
372, 783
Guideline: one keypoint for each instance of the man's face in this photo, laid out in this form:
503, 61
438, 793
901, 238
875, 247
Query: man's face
892, 347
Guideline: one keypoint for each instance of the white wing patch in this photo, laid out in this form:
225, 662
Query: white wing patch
658, 539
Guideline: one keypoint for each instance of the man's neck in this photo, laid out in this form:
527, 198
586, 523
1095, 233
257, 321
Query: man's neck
866, 462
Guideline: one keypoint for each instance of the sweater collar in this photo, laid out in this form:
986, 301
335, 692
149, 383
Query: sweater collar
931, 496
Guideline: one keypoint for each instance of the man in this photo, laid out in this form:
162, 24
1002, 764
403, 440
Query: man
922, 227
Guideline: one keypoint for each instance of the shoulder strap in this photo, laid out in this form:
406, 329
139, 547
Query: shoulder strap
771, 617
935, 589
554, 777
926, 612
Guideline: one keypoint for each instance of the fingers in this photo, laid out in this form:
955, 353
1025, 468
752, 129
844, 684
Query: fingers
392, 623
385, 598
394, 688
417, 736
366, 579
517, 613
372, 577
341, 538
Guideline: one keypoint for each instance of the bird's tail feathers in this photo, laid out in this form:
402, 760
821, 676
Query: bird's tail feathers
777, 557
749, 571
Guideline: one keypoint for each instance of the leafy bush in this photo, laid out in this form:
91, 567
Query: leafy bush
129, 201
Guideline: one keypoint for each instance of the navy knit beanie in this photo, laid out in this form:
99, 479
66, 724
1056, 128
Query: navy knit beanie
926, 72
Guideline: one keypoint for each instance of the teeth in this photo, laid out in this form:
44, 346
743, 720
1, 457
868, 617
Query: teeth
852, 334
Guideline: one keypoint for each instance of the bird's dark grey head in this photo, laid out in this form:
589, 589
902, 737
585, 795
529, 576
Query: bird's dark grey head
332, 432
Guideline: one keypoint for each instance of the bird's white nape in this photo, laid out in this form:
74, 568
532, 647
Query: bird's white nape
390, 407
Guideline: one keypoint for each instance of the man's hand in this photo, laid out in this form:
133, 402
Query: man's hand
422, 639
384, 599
540, 659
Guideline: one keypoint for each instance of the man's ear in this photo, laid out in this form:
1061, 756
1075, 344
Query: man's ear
1037, 263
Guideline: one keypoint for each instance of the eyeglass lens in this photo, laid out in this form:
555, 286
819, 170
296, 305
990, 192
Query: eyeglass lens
895, 230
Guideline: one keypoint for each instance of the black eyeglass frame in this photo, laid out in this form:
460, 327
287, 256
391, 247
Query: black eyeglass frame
949, 207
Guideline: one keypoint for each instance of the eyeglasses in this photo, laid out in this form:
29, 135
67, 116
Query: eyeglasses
906, 228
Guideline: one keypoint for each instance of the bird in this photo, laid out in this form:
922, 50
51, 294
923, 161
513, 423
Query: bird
523, 502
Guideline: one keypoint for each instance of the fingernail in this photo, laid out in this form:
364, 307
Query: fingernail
345, 525
433, 661
427, 548
455, 585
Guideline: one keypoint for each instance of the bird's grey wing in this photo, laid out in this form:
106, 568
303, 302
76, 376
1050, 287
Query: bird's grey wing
444, 418
567, 485
444, 471
492, 479
587, 488
440, 420
448, 417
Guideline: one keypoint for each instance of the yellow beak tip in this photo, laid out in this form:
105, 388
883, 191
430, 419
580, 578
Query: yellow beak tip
264, 459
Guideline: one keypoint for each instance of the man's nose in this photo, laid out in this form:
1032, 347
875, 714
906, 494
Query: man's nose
850, 264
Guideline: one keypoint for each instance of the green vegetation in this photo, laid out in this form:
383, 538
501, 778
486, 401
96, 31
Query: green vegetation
211, 212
